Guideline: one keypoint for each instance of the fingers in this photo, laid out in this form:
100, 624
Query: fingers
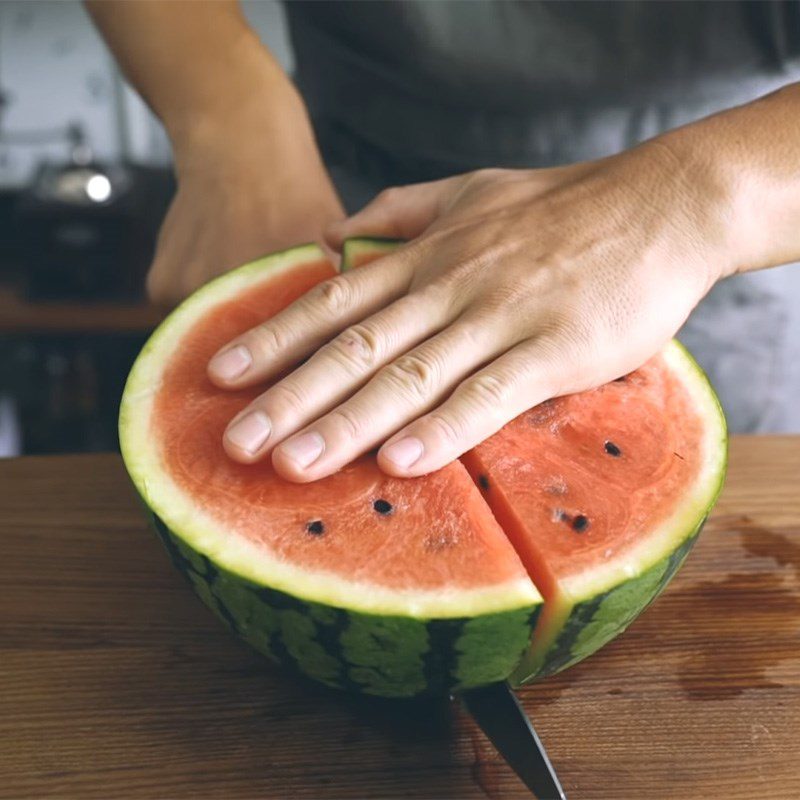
309, 322
160, 290
335, 372
521, 378
396, 213
399, 392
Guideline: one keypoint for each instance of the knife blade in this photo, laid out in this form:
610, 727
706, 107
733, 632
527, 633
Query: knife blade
500, 716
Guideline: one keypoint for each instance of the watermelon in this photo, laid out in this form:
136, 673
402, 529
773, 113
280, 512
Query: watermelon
517, 560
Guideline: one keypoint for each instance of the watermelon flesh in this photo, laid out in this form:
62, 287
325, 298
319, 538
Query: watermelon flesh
589, 487
602, 493
363, 581
400, 587
348, 524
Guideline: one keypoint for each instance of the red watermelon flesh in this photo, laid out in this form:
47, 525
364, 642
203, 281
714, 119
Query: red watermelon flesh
601, 493
449, 539
401, 586
577, 481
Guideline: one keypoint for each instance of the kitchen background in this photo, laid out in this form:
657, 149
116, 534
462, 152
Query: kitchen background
72, 314
84, 179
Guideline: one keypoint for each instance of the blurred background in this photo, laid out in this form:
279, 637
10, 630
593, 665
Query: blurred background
84, 180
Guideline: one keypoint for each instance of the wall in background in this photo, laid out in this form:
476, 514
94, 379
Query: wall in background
55, 69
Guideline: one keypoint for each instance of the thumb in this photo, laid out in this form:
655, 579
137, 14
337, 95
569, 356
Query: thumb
400, 212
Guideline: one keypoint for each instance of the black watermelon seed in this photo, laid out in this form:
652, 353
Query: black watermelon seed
383, 507
612, 449
483, 482
580, 523
621, 379
316, 527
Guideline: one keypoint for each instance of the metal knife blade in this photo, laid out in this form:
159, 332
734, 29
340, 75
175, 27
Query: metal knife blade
500, 716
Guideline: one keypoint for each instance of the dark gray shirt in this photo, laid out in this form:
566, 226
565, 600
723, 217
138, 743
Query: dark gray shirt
409, 91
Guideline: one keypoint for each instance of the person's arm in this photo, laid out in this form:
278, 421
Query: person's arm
746, 160
250, 176
517, 286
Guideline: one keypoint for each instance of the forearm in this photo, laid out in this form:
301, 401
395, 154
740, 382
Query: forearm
747, 160
197, 65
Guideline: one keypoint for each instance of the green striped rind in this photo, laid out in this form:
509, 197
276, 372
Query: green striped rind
391, 656
595, 622
600, 616
353, 248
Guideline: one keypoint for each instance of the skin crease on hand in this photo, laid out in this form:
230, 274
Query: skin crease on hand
517, 286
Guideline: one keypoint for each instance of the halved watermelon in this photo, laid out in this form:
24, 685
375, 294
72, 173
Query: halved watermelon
401, 587
388, 586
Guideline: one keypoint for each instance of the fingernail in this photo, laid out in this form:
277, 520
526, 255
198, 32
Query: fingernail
404, 452
304, 449
231, 363
250, 432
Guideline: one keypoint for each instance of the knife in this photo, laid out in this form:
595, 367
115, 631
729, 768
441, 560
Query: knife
500, 716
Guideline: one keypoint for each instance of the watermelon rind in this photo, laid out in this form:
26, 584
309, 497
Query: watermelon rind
396, 643
594, 607
390, 656
374, 247
347, 634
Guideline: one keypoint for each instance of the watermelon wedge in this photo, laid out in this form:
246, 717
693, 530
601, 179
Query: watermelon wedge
362, 581
404, 587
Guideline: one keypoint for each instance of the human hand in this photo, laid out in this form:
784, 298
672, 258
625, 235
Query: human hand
246, 187
518, 286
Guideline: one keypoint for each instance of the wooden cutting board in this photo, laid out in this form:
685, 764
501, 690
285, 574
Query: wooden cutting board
116, 683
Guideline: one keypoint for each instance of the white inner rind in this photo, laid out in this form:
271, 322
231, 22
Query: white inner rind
179, 510
694, 505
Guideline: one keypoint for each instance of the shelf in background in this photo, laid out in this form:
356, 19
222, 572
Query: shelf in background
19, 315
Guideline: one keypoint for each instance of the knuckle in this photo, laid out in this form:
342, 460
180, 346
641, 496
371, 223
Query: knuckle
388, 196
459, 277
267, 339
445, 428
488, 391
347, 422
285, 395
333, 296
480, 177
155, 287
358, 345
442, 293
414, 374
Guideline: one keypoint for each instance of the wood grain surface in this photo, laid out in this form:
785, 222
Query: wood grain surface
117, 683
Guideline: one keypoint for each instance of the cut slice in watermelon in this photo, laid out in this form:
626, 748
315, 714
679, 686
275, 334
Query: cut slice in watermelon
401, 587
601, 493
363, 581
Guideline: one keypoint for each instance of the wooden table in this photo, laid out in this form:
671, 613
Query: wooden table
117, 683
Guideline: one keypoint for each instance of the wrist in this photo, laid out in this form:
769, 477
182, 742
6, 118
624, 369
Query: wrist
242, 95
745, 165
708, 193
